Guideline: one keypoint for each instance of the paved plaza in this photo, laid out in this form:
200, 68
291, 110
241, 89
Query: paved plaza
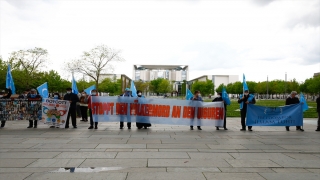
161, 152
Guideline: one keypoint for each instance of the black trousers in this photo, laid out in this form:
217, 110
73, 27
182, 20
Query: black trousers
243, 119
73, 114
318, 120
84, 112
33, 123
122, 120
3, 123
78, 110
91, 119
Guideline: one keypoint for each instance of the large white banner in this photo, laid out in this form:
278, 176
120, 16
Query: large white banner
55, 112
157, 111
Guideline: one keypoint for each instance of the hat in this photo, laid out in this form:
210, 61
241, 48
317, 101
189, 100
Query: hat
127, 89
68, 89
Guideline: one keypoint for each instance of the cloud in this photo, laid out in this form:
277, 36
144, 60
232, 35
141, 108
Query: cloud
262, 2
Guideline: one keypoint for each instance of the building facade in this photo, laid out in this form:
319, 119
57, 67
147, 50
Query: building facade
152, 72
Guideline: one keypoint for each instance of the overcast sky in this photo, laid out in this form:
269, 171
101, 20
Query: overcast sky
257, 37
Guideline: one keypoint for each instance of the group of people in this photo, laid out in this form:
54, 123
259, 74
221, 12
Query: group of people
85, 105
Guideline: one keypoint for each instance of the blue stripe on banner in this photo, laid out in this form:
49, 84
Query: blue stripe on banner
158, 111
274, 116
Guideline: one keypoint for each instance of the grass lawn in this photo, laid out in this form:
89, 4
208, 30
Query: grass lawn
233, 110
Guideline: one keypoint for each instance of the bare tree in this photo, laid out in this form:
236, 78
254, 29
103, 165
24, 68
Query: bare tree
95, 62
29, 62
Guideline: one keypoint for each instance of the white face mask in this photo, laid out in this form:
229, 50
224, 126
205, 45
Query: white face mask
56, 96
246, 94
93, 93
199, 95
83, 94
25, 94
139, 94
1, 96
68, 92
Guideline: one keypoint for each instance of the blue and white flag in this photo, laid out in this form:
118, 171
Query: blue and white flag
244, 82
133, 89
74, 86
290, 115
43, 90
189, 94
303, 100
225, 96
9, 81
89, 89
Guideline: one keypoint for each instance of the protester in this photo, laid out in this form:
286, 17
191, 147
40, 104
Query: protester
79, 115
73, 99
292, 99
4, 95
94, 92
196, 97
33, 97
318, 110
145, 120
219, 99
24, 95
56, 96
84, 106
127, 93
244, 100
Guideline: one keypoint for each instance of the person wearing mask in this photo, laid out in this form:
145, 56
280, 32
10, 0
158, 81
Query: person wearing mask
292, 99
79, 115
24, 95
84, 106
244, 100
4, 95
127, 93
56, 96
318, 110
33, 97
219, 99
73, 99
146, 123
94, 92
196, 97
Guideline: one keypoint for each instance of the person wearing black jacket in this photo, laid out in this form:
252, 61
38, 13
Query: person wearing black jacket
244, 100
4, 96
218, 99
318, 110
33, 96
73, 99
292, 99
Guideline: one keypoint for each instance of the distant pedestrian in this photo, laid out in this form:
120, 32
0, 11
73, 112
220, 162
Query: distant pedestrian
292, 99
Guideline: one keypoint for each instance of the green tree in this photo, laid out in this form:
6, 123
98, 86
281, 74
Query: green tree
219, 88
205, 87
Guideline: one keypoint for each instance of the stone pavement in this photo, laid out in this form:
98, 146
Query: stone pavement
161, 152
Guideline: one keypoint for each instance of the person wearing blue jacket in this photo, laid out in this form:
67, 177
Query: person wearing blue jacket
244, 100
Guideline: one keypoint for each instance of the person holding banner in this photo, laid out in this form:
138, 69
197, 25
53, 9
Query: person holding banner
219, 99
94, 92
244, 100
292, 99
33, 97
24, 95
318, 110
84, 106
196, 97
56, 96
127, 93
4, 96
73, 99
145, 120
